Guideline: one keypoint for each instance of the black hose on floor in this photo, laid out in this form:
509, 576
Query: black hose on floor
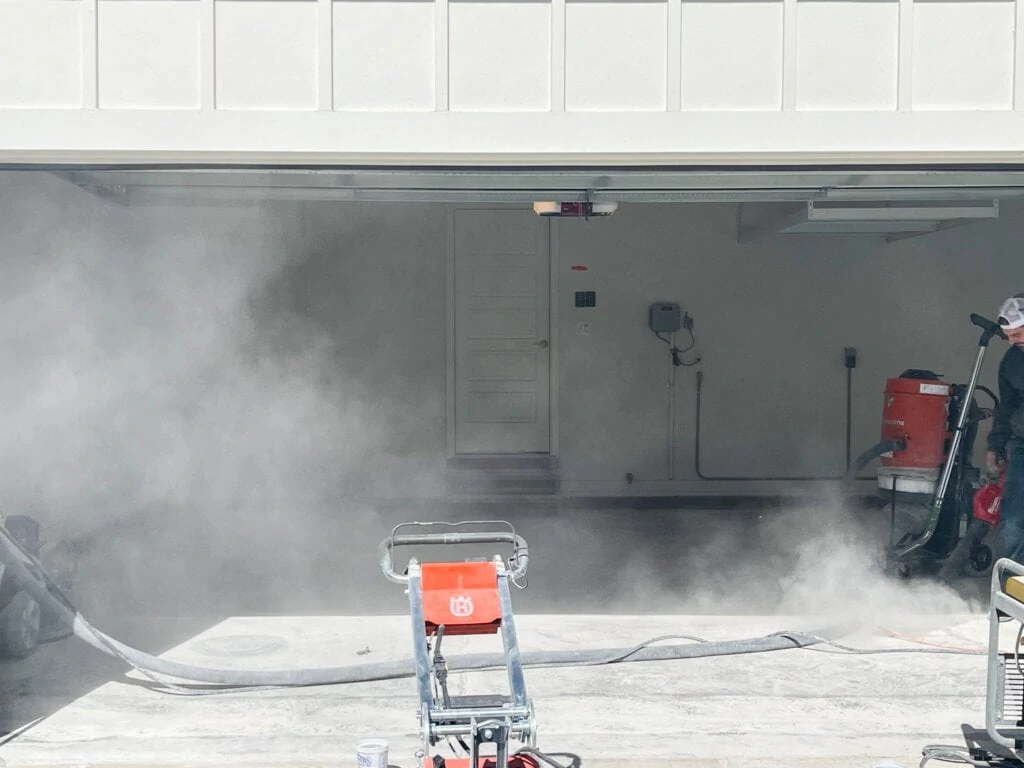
34, 579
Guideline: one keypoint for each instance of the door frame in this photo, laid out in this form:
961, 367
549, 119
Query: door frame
450, 332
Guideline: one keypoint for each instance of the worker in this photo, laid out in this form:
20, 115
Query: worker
1006, 438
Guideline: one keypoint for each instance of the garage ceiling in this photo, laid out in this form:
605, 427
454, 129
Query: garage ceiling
522, 185
905, 202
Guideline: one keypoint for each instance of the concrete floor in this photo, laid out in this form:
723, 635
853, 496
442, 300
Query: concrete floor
798, 707
313, 595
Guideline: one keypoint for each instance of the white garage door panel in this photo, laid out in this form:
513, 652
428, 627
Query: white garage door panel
847, 54
616, 55
963, 55
511, 82
500, 56
41, 56
383, 55
267, 54
731, 55
149, 54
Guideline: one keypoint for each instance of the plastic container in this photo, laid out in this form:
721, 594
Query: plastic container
372, 753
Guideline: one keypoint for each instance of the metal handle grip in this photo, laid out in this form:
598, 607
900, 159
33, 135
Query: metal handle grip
1003, 565
521, 557
988, 326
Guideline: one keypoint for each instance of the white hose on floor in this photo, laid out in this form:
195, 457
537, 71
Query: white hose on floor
34, 579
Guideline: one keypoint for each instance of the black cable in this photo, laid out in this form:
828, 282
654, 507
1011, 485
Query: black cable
676, 352
620, 657
548, 757
988, 392
693, 342
848, 650
677, 361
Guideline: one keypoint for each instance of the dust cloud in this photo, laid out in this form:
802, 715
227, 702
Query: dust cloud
179, 427
197, 399
820, 557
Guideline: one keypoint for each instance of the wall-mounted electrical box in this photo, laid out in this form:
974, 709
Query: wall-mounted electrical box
665, 317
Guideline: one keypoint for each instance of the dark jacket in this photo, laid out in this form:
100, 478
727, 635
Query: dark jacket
1008, 419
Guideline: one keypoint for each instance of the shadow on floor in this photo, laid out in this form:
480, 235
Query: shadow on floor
59, 673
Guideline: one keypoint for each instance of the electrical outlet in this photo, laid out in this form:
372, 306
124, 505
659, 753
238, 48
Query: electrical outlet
583, 329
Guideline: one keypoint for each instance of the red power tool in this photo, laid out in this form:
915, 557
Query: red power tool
987, 500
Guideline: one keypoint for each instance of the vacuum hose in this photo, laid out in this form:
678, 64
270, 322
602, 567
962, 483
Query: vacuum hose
47, 593
872, 453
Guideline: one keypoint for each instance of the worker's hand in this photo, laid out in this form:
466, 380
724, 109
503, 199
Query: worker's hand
993, 463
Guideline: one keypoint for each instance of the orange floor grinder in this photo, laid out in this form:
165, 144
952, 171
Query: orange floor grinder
470, 597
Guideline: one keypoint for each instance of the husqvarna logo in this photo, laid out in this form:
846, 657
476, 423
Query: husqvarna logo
461, 606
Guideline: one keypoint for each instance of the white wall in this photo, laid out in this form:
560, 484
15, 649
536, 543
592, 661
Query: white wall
189, 355
521, 82
771, 321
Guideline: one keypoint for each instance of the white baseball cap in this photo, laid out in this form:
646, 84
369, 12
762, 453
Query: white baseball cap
1011, 314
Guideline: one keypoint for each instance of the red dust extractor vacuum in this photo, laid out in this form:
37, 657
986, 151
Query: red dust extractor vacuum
926, 475
916, 413
465, 598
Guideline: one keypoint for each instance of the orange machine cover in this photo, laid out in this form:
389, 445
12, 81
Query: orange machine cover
462, 596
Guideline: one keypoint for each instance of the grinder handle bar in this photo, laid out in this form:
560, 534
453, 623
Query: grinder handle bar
519, 561
988, 326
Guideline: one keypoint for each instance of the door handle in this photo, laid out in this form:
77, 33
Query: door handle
543, 343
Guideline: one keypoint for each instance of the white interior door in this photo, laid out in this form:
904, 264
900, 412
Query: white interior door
502, 350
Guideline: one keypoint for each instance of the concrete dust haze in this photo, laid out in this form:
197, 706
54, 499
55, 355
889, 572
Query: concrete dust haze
171, 410
818, 557
197, 398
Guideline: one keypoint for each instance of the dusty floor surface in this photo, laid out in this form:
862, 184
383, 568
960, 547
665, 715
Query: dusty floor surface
793, 707
599, 579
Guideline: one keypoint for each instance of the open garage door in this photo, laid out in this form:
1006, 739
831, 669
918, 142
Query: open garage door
599, 410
